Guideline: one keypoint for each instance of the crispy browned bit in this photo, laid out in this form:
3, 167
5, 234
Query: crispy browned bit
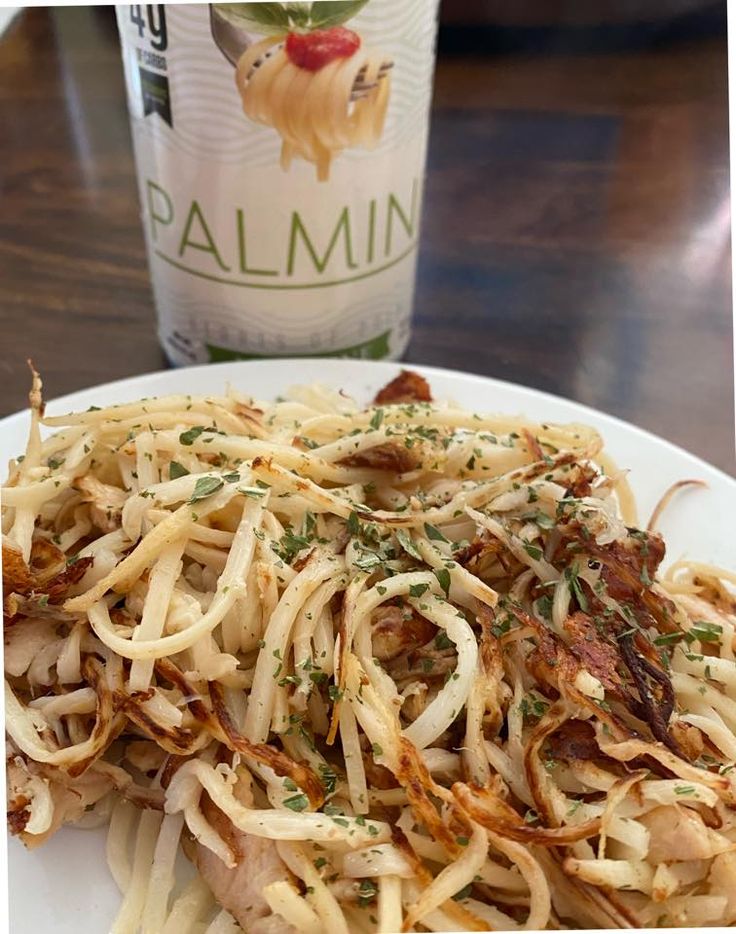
573, 741
252, 419
414, 777
58, 586
407, 387
596, 653
688, 738
551, 661
18, 815
490, 648
47, 573
17, 576
108, 724
654, 709
485, 806
378, 776
173, 739
580, 484
481, 547
390, 456
282, 764
629, 565
172, 766
533, 445
219, 723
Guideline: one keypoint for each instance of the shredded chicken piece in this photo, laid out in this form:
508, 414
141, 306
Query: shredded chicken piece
106, 502
398, 629
239, 890
678, 834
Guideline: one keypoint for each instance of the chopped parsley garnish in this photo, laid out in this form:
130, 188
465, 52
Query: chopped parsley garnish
177, 470
376, 420
189, 436
433, 533
706, 632
669, 638
298, 802
571, 576
532, 550
416, 590
328, 777
204, 487
441, 641
407, 544
443, 577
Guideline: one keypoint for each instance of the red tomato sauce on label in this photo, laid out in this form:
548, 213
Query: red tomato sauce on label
314, 50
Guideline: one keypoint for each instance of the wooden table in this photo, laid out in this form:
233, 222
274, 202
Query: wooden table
575, 239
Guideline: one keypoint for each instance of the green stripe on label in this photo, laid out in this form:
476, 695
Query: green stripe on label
374, 349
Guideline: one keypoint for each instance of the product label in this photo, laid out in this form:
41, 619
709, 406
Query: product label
280, 151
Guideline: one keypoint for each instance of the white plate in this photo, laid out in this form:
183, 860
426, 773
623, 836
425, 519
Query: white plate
65, 887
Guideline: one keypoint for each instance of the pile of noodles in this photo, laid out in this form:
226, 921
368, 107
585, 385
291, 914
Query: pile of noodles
317, 113
396, 668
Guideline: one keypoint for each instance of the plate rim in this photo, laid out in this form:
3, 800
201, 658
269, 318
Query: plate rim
367, 365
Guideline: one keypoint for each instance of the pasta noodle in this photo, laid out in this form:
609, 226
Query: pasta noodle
315, 112
391, 668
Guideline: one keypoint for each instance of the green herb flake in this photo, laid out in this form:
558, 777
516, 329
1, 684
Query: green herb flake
532, 550
433, 533
669, 638
416, 590
298, 802
190, 436
408, 545
706, 632
443, 577
206, 486
441, 641
376, 420
328, 777
177, 470
463, 893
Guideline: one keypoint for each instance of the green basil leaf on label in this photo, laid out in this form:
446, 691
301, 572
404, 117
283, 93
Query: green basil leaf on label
328, 13
258, 17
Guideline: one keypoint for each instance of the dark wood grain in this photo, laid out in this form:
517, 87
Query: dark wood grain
575, 235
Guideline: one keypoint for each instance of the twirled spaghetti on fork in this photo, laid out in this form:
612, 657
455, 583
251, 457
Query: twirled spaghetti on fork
396, 668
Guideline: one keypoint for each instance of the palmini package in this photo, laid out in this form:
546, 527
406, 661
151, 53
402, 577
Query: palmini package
280, 151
